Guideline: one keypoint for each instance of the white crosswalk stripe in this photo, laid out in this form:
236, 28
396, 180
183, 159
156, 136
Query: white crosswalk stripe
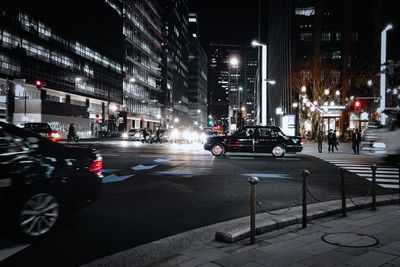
386, 176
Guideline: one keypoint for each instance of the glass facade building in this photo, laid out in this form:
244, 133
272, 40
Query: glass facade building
142, 64
197, 77
76, 56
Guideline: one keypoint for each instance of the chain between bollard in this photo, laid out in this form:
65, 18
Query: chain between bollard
333, 196
363, 202
260, 205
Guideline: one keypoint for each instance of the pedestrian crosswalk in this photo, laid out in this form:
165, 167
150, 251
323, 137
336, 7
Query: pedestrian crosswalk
386, 176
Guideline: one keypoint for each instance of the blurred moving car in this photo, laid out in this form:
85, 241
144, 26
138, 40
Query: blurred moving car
44, 130
133, 135
184, 135
255, 139
385, 138
41, 180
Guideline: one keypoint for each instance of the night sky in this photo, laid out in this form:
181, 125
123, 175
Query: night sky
226, 21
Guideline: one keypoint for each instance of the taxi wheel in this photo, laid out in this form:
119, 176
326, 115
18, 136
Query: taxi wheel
218, 150
278, 151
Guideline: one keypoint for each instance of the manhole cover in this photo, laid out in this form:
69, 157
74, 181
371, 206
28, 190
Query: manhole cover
350, 240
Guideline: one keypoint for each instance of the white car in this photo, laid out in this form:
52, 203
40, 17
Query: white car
133, 135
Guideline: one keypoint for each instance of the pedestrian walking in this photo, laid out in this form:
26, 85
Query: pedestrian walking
320, 140
158, 132
144, 133
355, 140
337, 141
331, 141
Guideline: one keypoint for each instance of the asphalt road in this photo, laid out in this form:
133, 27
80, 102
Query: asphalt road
152, 191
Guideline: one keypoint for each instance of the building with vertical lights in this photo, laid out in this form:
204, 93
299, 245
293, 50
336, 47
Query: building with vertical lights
175, 61
232, 72
75, 57
143, 95
197, 76
331, 49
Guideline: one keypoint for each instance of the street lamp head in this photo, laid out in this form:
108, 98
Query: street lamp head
271, 81
303, 89
337, 93
388, 27
198, 111
326, 91
369, 83
234, 61
295, 104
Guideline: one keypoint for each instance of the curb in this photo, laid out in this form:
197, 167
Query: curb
232, 230
267, 223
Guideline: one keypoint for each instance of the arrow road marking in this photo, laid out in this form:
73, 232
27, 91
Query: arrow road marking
269, 175
143, 167
115, 178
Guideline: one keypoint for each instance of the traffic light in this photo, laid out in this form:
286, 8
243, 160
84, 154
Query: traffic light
210, 122
357, 104
38, 84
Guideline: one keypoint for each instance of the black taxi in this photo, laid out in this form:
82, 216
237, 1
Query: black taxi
255, 139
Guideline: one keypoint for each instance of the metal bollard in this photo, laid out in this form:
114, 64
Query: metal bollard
343, 186
253, 181
304, 173
373, 168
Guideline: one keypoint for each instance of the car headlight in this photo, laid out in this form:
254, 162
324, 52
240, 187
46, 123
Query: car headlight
125, 135
175, 134
187, 135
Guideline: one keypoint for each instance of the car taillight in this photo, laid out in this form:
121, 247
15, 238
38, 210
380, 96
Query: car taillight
54, 135
96, 165
302, 141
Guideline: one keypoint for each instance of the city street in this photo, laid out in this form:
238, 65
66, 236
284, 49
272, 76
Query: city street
151, 191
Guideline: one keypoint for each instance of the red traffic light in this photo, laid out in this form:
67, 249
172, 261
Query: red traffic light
38, 84
357, 104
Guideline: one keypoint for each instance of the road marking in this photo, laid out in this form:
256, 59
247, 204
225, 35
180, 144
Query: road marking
8, 252
142, 167
115, 178
384, 181
377, 172
161, 160
288, 159
380, 175
269, 175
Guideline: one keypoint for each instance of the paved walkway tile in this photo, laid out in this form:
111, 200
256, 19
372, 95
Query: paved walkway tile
371, 259
326, 259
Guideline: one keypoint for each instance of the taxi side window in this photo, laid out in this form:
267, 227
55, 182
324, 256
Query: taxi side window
267, 132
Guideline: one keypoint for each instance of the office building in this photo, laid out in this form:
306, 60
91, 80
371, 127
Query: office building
197, 76
61, 64
143, 95
175, 62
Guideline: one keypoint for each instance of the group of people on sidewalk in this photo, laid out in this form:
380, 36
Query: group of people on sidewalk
333, 141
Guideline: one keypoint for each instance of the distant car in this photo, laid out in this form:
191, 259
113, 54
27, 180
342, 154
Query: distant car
133, 135
255, 139
41, 180
44, 130
183, 135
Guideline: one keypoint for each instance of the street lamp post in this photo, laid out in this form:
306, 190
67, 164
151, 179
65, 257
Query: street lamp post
383, 74
234, 63
264, 96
